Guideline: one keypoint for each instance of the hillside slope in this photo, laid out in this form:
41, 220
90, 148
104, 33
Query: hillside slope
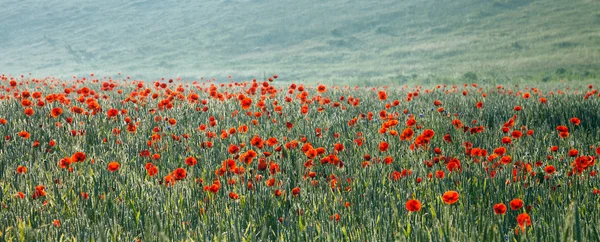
301, 40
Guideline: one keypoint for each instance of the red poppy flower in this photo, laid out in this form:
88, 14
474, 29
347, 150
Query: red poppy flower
24, 134
516, 134
190, 161
56, 112
550, 169
272, 141
321, 88
413, 205
152, 171
179, 173
246, 103
112, 113
439, 174
506, 159
64, 163
78, 157
383, 146
500, 151
573, 152
21, 169
428, 134
499, 208
232, 149
575, 121
29, 112
296, 191
388, 160
39, 192
448, 138
169, 180
516, 204
523, 220
257, 142
562, 128
396, 175
26, 103
113, 166
450, 197
304, 109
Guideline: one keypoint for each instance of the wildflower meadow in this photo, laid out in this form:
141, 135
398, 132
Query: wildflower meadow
93, 158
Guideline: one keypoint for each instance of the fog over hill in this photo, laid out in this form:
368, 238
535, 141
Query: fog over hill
302, 40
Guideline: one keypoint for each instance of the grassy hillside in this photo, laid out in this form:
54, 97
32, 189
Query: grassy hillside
304, 40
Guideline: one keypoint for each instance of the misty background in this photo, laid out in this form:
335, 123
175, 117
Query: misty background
327, 41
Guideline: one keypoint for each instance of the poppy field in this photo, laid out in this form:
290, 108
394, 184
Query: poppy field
102, 159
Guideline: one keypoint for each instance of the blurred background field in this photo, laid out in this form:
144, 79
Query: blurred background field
364, 42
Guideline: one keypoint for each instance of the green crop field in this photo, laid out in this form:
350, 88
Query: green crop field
365, 42
121, 160
280, 120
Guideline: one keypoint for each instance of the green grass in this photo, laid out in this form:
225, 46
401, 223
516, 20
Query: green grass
129, 204
353, 41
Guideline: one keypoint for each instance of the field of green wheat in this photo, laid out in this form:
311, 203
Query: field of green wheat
99, 159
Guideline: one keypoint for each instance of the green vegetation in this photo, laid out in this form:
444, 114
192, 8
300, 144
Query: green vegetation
355, 41
67, 187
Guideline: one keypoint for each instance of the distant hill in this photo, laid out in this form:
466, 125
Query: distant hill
303, 40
